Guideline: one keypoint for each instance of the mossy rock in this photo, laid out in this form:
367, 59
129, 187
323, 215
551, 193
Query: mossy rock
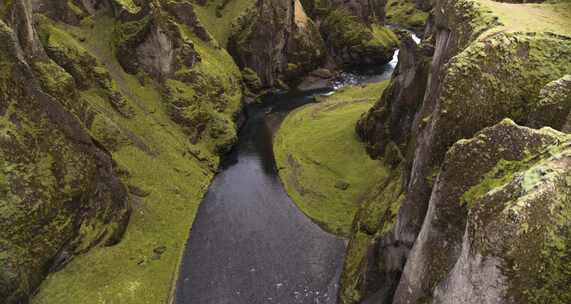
554, 106
254, 43
60, 196
481, 167
405, 13
484, 67
352, 42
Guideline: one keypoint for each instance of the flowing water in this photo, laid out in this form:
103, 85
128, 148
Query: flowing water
249, 243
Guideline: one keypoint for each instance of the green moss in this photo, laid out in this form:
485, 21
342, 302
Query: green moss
378, 214
74, 8
58, 39
252, 79
529, 60
130, 5
405, 13
5, 7
502, 174
219, 22
354, 264
310, 172
216, 82
54, 79
154, 153
65, 49
344, 32
532, 17
534, 214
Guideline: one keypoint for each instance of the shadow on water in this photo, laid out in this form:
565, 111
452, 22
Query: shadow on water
249, 243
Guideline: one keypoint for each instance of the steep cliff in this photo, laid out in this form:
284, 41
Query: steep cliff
59, 193
477, 65
283, 40
108, 107
278, 41
497, 226
408, 14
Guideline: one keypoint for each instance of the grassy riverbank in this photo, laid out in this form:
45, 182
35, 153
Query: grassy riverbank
322, 164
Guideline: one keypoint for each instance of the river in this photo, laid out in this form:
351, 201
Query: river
249, 243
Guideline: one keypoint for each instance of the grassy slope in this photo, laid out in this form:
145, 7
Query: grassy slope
546, 17
316, 148
130, 272
220, 27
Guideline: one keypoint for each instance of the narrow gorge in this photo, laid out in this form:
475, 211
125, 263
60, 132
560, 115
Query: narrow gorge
285, 151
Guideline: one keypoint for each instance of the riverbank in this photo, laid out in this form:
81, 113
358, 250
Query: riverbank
321, 162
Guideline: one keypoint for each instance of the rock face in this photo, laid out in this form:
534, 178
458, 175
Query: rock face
161, 43
554, 106
366, 11
409, 14
59, 195
352, 42
68, 106
277, 40
391, 119
160, 50
284, 40
430, 104
497, 210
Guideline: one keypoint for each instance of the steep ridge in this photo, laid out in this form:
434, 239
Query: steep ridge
475, 67
108, 106
60, 194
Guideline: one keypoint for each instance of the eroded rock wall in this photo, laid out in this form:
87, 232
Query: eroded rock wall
59, 194
282, 41
476, 77
68, 106
278, 41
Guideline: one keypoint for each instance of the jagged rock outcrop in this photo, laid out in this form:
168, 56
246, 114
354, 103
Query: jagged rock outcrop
59, 195
497, 221
351, 42
391, 119
278, 41
285, 40
465, 90
409, 14
161, 43
159, 48
367, 11
554, 106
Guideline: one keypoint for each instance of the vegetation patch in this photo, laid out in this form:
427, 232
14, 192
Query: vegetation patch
322, 163
219, 15
554, 17
129, 5
354, 42
166, 173
405, 13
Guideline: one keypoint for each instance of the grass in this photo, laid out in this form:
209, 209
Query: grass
221, 27
131, 272
385, 36
405, 13
545, 17
318, 154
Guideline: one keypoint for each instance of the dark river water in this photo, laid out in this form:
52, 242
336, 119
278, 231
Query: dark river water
249, 243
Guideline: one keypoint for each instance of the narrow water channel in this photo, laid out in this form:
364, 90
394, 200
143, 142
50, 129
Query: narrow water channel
249, 243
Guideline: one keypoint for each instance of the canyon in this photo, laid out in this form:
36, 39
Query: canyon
277, 151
